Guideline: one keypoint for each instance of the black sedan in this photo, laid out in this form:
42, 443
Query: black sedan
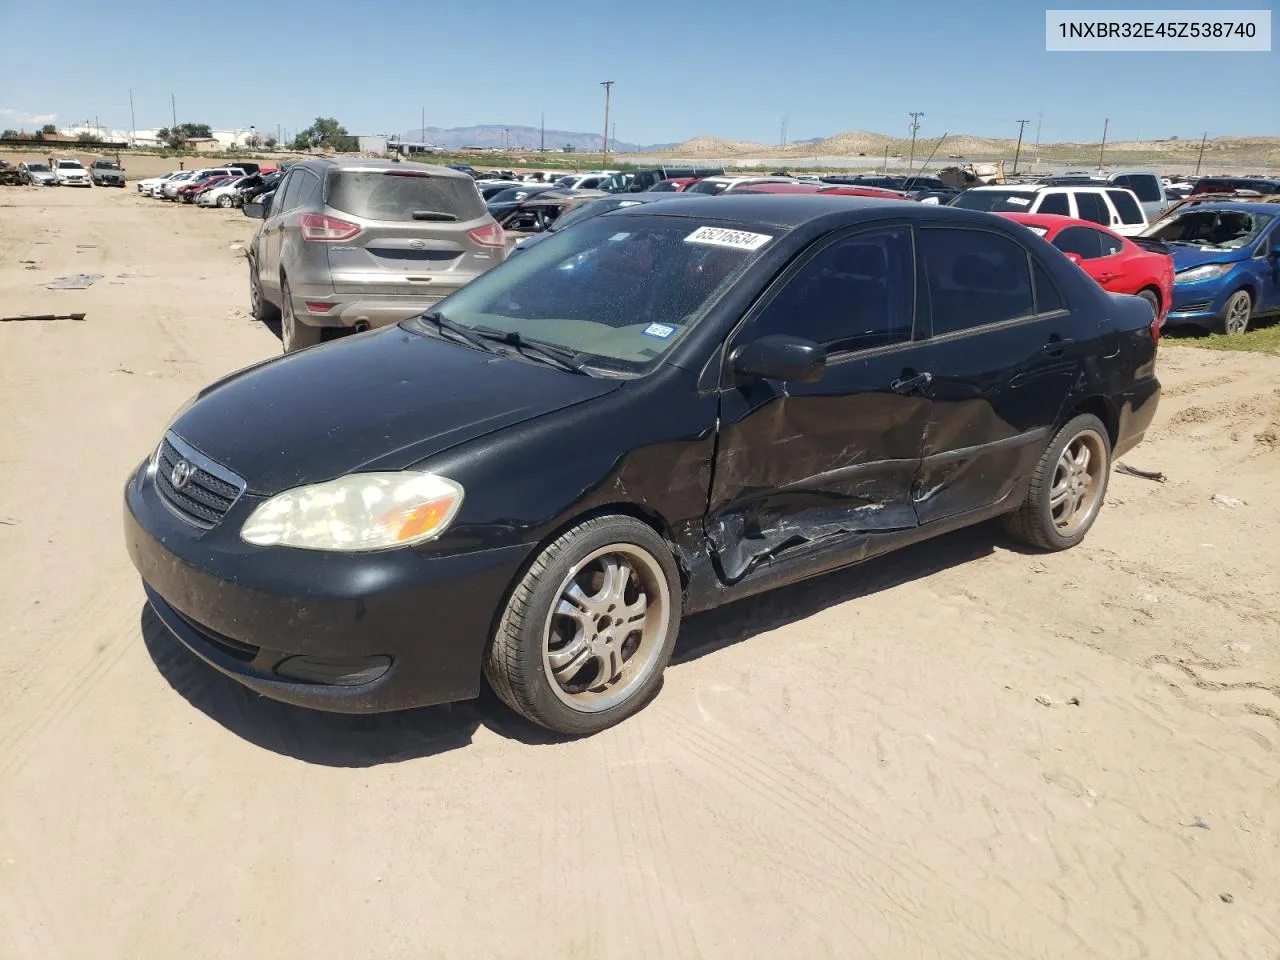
662, 409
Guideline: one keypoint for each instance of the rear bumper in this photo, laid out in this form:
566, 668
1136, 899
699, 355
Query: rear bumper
1137, 408
350, 310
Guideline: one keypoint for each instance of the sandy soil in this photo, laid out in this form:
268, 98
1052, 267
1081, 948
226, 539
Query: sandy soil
963, 750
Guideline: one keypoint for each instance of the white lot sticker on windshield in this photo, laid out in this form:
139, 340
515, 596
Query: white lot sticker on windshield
659, 330
1018, 201
720, 237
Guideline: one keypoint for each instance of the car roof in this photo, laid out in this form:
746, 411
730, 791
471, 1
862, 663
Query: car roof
789, 211
360, 164
1239, 206
1053, 222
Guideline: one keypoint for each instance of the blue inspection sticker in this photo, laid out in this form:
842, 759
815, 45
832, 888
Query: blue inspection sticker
659, 330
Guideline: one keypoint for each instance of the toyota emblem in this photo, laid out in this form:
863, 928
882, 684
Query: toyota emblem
181, 474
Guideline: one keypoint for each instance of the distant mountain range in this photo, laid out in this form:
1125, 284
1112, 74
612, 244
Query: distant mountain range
519, 138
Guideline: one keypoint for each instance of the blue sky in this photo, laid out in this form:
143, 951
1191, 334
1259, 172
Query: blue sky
731, 68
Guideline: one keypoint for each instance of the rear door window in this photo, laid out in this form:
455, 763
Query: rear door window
1092, 207
1145, 185
1126, 206
975, 278
1081, 241
397, 195
1055, 202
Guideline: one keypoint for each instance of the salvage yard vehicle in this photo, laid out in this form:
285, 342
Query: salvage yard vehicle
1139, 267
642, 180
541, 210
150, 183
539, 477
71, 173
36, 174
1113, 207
352, 244
106, 173
1227, 261
588, 210
171, 188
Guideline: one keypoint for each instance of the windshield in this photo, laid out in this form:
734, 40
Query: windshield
713, 187
1225, 229
996, 201
621, 291
69, 165
618, 183
38, 167
586, 212
514, 194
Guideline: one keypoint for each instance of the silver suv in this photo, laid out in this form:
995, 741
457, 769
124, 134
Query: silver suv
354, 244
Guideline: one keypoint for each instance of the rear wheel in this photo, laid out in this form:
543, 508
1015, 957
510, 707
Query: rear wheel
588, 630
224, 201
294, 334
1067, 487
1236, 314
1152, 298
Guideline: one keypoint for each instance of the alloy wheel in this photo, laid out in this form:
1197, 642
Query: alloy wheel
606, 629
1078, 482
1237, 319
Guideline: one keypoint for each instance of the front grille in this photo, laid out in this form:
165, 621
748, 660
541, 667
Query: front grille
1198, 307
209, 491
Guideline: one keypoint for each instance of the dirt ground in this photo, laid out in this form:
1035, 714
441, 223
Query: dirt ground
960, 751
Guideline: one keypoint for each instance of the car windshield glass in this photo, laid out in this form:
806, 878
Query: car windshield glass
1229, 229
620, 291
38, 168
396, 195
69, 165
713, 187
996, 201
586, 212
513, 195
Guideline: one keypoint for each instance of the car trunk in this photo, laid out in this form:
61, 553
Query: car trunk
414, 239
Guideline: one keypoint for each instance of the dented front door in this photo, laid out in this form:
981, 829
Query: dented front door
804, 464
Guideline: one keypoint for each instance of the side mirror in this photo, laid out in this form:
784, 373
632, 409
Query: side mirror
1074, 257
258, 211
779, 357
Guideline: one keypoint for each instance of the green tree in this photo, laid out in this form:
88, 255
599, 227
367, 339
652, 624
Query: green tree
269, 143
326, 133
49, 128
9, 135
175, 136
90, 138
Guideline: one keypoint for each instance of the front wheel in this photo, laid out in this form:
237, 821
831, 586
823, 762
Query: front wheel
588, 630
224, 201
1152, 298
1236, 314
1067, 487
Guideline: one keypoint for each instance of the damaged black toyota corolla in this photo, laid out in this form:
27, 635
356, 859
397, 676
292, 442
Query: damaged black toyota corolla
652, 413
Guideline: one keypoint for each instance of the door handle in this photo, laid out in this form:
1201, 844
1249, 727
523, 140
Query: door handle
911, 384
1056, 346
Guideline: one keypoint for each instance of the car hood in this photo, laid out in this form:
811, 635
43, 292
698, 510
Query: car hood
381, 401
1186, 257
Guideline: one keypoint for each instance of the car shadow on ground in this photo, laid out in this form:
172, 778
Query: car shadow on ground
341, 740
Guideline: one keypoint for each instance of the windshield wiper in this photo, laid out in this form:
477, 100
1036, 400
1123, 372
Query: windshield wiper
443, 323
536, 349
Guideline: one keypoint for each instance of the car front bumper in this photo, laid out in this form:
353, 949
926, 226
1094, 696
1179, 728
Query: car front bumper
419, 621
1199, 303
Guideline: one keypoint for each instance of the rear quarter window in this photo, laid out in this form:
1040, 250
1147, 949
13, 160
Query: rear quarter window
1145, 185
396, 195
1126, 206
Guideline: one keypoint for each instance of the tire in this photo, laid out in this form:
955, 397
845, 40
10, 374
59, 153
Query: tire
224, 201
294, 334
1034, 523
1152, 298
1236, 315
259, 306
530, 633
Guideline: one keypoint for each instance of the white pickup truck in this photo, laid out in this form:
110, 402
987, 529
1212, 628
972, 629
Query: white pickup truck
71, 173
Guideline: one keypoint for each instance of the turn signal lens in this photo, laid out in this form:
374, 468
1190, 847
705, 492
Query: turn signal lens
362, 511
316, 226
490, 235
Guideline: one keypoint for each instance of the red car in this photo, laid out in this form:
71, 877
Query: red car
187, 192
1119, 264
822, 188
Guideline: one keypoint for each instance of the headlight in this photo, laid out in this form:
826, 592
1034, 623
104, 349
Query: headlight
363, 511
1205, 272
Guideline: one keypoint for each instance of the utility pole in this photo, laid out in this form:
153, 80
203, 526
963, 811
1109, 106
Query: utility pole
886, 159
604, 146
174, 104
542, 134
422, 131
1018, 151
1103, 149
506, 134
133, 122
1201, 156
915, 125
1039, 120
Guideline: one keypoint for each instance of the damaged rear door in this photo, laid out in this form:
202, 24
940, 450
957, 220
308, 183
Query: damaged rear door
802, 464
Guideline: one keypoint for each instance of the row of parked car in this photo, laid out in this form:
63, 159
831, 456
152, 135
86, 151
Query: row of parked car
212, 186
68, 172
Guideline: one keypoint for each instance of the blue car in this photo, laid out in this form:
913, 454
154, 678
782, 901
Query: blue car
1226, 261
